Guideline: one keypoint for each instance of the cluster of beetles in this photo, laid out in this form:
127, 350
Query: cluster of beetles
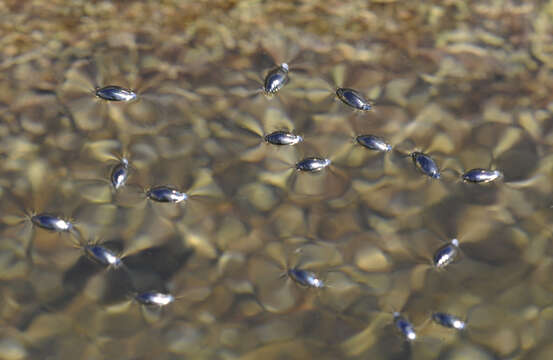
274, 81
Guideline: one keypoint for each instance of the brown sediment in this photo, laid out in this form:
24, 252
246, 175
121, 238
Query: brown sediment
468, 82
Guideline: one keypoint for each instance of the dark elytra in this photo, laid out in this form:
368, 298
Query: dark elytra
51, 222
312, 164
426, 164
276, 79
283, 138
374, 142
166, 194
115, 93
353, 98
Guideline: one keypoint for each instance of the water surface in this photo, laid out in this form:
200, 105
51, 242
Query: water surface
467, 83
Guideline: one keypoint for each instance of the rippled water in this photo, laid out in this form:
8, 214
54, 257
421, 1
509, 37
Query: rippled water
466, 82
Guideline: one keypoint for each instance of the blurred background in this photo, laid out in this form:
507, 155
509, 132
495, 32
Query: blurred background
469, 83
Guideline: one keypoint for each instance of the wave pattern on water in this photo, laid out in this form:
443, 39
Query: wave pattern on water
248, 257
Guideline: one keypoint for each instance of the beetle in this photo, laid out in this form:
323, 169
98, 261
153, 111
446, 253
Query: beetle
353, 98
449, 321
51, 222
115, 93
102, 255
276, 79
283, 138
312, 164
120, 173
446, 254
166, 194
374, 142
425, 164
305, 278
154, 298
405, 327
480, 175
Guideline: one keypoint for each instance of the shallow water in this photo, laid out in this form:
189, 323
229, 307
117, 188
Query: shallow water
467, 83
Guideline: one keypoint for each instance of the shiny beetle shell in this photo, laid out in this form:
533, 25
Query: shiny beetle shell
120, 173
154, 299
166, 194
405, 327
102, 255
374, 142
426, 165
276, 79
283, 138
115, 93
312, 164
305, 278
51, 222
353, 98
482, 175
448, 321
446, 254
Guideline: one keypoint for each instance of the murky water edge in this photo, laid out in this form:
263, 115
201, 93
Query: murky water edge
215, 244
